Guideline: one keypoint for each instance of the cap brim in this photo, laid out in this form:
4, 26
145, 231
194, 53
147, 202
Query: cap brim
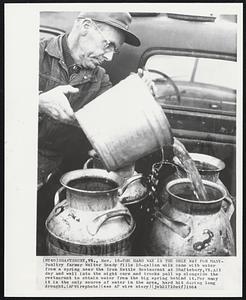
131, 39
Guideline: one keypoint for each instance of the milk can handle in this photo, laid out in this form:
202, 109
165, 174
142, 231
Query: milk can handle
178, 227
57, 195
128, 182
230, 209
86, 164
96, 223
229, 199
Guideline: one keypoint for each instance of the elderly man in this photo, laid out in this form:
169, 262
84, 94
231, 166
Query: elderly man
70, 77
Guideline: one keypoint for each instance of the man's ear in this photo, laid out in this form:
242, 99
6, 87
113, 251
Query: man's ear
84, 25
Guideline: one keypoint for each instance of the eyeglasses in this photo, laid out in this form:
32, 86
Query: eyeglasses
108, 45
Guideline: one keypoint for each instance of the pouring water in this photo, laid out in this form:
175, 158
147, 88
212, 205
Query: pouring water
190, 167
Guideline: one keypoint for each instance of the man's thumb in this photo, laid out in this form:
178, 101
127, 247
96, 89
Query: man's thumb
69, 89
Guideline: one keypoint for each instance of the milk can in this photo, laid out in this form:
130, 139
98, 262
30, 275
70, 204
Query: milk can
135, 198
127, 123
91, 220
185, 226
209, 167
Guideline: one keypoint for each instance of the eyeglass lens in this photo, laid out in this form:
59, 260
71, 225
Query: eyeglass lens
109, 46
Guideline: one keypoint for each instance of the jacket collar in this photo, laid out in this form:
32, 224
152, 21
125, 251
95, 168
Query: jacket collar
69, 61
54, 47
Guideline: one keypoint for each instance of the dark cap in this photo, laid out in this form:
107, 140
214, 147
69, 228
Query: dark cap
119, 20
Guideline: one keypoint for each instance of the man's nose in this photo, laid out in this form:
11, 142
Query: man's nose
108, 56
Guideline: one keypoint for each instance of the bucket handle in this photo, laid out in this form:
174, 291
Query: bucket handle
96, 223
178, 227
127, 183
57, 195
179, 169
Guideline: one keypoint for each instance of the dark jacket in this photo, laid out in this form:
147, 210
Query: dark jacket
56, 140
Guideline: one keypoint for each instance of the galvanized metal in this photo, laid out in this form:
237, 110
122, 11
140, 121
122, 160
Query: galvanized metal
213, 165
127, 123
90, 222
136, 198
184, 227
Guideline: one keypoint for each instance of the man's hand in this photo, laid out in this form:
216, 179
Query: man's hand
55, 104
145, 75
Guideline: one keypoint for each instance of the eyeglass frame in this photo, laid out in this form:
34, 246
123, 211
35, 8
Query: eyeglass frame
108, 43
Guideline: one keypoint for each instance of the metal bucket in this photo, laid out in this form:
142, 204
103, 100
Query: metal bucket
96, 163
125, 123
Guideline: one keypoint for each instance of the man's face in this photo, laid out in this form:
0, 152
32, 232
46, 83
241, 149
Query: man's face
99, 44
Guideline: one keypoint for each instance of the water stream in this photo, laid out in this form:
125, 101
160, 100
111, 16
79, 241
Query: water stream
190, 167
